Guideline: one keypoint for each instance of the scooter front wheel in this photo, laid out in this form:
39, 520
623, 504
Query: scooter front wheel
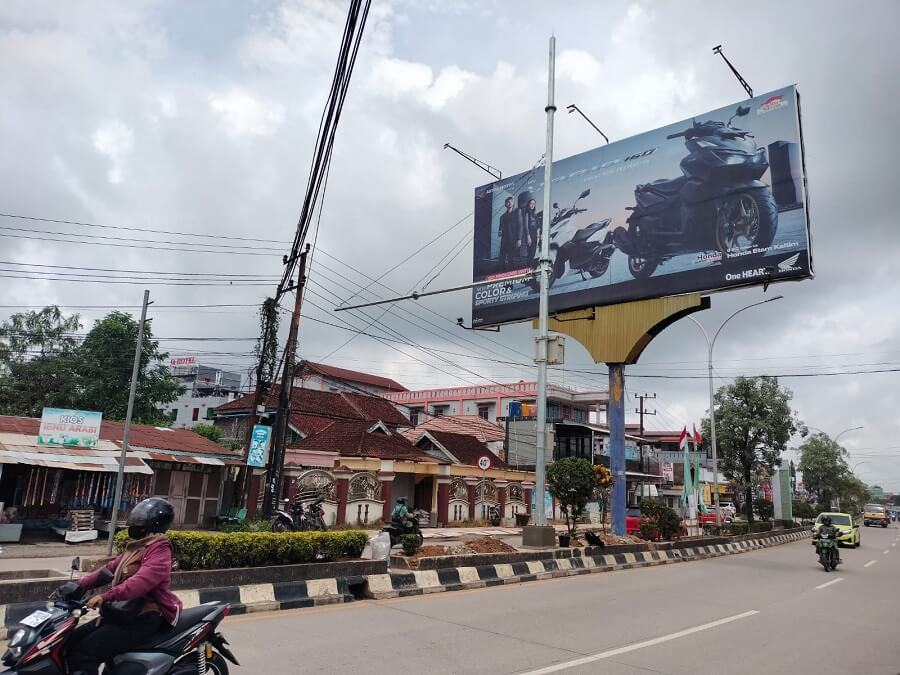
745, 220
279, 525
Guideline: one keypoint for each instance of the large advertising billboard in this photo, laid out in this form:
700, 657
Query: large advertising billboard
701, 205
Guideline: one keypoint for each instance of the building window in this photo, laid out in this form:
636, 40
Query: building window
195, 415
484, 411
414, 415
440, 410
174, 414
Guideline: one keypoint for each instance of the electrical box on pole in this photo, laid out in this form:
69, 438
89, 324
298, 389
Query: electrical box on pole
556, 350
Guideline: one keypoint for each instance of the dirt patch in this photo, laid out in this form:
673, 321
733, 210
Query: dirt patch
489, 545
427, 552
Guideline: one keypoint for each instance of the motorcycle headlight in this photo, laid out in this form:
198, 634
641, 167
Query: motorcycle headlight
730, 158
704, 144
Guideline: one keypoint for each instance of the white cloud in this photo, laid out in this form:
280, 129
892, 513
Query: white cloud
115, 140
242, 114
578, 66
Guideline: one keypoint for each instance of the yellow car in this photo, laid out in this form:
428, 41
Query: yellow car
844, 523
874, 514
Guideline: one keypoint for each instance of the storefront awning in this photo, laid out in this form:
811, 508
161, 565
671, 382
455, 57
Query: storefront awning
75, 459
644, 477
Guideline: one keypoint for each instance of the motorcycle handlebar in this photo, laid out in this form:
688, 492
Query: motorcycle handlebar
678, 135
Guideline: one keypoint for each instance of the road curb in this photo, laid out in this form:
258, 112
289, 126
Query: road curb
410, 583
269, 597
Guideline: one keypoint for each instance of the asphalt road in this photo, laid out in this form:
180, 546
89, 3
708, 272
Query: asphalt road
768, 611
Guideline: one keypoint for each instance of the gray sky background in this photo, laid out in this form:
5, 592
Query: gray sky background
200, 117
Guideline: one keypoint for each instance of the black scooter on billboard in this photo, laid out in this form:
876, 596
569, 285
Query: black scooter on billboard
585, 249
718, 204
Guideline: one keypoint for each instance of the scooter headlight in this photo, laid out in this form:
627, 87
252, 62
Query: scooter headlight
704, 144
731, 158
17, 637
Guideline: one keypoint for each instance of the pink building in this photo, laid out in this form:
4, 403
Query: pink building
492, 401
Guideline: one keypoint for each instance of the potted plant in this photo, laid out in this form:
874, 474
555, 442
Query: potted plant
410, 544
572, 481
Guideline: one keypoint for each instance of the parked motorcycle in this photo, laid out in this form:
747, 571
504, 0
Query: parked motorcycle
300, 519
718, 203
38, 644
585, 249
827, 548
396, 530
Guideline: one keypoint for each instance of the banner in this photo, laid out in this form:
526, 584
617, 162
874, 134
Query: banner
705, 204
258, 454
80, 428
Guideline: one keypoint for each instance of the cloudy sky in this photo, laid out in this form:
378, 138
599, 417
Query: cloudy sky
198, 118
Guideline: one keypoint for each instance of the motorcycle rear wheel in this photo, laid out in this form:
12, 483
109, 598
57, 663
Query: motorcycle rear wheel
217, 665
279, 525
599, 265
642, 268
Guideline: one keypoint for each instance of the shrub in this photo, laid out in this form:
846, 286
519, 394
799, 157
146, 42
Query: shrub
736, 528
761, 527
410, 543
662, 518
255, 525
209, 431
206, 550
804, 510
764, 508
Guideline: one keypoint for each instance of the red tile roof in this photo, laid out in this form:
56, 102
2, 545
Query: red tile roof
352, 438
470, 425
353, 376
334, 405
141, 435
467, 449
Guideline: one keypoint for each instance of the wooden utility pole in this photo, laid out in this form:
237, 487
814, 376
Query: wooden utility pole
275, 467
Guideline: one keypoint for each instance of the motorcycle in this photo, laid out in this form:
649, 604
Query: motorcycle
581, 247
193, 645
300, 519
718, 203
396, 530
827, 548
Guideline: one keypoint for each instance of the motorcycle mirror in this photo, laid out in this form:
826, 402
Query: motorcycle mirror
584, 194
555, 205
743, 110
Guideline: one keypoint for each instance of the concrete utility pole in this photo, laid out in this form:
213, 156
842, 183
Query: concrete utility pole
641, 411
275, 468
135, 372
539, 533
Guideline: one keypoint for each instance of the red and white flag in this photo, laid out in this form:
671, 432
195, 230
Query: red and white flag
683, 439
698, 439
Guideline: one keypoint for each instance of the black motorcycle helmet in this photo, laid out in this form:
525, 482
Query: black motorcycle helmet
402, 500
151, 516
826, 521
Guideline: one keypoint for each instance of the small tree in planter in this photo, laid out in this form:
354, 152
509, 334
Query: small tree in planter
572, 482
605, 481
764, 508
410, 544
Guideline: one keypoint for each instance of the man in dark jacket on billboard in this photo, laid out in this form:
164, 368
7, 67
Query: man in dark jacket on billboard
510, 236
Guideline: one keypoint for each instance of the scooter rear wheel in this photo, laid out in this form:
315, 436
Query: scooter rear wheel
217, 665
642, 268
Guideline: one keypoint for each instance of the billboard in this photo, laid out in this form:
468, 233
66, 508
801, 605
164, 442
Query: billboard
80, 428
258, 453
705, 204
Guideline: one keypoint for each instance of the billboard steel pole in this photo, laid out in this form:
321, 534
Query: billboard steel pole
135, 372
540, 469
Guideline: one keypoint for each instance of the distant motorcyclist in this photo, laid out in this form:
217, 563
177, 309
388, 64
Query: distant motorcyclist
833, 533
400, 515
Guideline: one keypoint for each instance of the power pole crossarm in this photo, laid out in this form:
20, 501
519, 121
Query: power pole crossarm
484, 166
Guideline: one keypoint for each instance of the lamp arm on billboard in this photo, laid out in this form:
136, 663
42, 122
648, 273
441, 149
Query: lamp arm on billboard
484, 166
712, 410
574, 108
718, 50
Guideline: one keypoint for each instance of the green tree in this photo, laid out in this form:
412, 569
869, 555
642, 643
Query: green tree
754, 422
853, 493
209, 431
764, 508
105, 361
823, 465
572, 481
37, 361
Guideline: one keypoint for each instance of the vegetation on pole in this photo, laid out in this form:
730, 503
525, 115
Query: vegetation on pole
604, 483
573, 482
754, 422
266, 349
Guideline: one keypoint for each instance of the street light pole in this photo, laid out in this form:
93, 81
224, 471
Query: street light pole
847, 430
712, 408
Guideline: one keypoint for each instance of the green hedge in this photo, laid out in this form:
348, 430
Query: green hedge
208, 551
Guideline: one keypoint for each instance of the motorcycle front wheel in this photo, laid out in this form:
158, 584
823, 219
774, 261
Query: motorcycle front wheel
278, 525
599, 265
745, 220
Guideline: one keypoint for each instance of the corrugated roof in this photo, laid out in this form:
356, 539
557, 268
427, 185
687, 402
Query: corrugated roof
140, 435
471, 425
354, 376
358, 438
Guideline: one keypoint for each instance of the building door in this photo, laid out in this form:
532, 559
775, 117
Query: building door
422, 498
177, 493
193, 502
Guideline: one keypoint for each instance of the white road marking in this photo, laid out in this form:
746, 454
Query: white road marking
828, 583
870, 563
894, 544
886, 551
638, 645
